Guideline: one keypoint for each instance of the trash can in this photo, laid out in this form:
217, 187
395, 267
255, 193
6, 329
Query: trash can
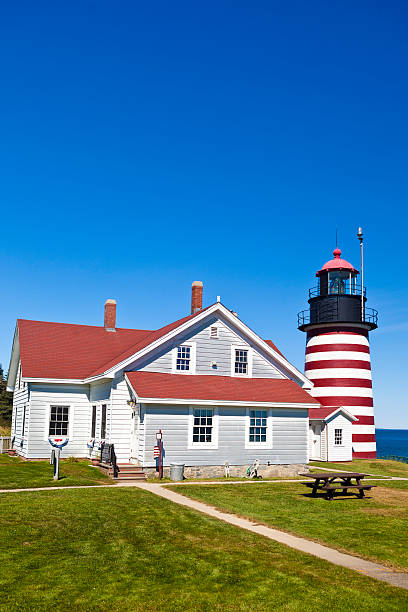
177, 471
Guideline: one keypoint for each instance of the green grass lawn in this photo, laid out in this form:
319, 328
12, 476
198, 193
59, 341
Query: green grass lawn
382, 467
125, 549
18, 474
372, 528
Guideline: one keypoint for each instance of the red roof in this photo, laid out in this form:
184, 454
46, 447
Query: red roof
323, 412
275, 348
337, 263
217, 388
62, 350
65, 350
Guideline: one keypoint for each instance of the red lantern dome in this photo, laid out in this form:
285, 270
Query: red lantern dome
337, 264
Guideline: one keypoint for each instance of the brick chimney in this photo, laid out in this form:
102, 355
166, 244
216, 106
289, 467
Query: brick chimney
110, 315
196, 296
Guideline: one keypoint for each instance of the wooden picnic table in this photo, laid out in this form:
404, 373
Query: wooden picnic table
329, 482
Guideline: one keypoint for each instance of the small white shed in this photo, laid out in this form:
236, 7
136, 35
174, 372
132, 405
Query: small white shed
330, 434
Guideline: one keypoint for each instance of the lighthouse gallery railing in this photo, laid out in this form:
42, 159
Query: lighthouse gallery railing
370, 316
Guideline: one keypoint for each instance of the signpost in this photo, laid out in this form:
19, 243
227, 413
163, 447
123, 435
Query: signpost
159, 438
57, 445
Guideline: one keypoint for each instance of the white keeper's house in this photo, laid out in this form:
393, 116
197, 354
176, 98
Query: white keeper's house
218, 391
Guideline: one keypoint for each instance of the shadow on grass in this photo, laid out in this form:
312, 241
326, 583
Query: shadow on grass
336, 496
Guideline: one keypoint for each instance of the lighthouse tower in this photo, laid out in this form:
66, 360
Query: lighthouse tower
337, 361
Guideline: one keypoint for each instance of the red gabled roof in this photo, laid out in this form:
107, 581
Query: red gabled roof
155, 335
324, 412
65, 350
275, 348
62, 350
217, 388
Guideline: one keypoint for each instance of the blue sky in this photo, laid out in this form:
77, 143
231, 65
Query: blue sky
147, 145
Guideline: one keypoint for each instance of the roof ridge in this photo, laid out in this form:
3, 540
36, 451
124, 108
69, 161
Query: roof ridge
82, 325
153, 335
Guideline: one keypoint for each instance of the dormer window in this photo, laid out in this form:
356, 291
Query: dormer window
183, 358
241, 361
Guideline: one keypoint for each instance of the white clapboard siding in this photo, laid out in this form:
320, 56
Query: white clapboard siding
100, 391
289, 434
100, 394
210, 350
75, 396
20, 399
121, 418
343, 452
323, 442
289, 427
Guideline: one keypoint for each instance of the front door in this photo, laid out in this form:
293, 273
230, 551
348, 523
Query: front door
134, 436
315, 431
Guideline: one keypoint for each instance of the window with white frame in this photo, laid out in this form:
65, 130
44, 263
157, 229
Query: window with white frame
241, 361
203, 425
59, 421
183, 358
258, 426
338, 437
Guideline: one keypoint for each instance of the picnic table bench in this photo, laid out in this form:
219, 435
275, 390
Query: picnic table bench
330, 482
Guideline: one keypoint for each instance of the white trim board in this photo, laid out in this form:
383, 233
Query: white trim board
201, 402
335, 411
214, 436
269, 421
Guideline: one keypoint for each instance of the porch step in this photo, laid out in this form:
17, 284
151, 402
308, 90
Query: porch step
127, 471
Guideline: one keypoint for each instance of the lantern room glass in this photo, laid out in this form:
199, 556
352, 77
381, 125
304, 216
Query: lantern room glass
342, 282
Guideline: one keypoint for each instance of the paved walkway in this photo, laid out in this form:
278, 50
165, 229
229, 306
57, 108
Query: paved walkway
170, 484
373, 570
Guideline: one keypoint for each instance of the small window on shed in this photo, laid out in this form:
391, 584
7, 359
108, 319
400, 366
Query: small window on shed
214, 332
338, 437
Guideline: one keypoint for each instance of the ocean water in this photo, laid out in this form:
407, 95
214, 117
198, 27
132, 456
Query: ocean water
392, 442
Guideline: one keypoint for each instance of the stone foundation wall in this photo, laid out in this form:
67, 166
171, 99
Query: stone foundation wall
237, 471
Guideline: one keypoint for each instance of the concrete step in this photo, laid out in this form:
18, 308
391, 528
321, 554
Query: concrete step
137, 477
121, 471
127, 471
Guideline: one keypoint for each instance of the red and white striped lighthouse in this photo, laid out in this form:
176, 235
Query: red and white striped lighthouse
337, 360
